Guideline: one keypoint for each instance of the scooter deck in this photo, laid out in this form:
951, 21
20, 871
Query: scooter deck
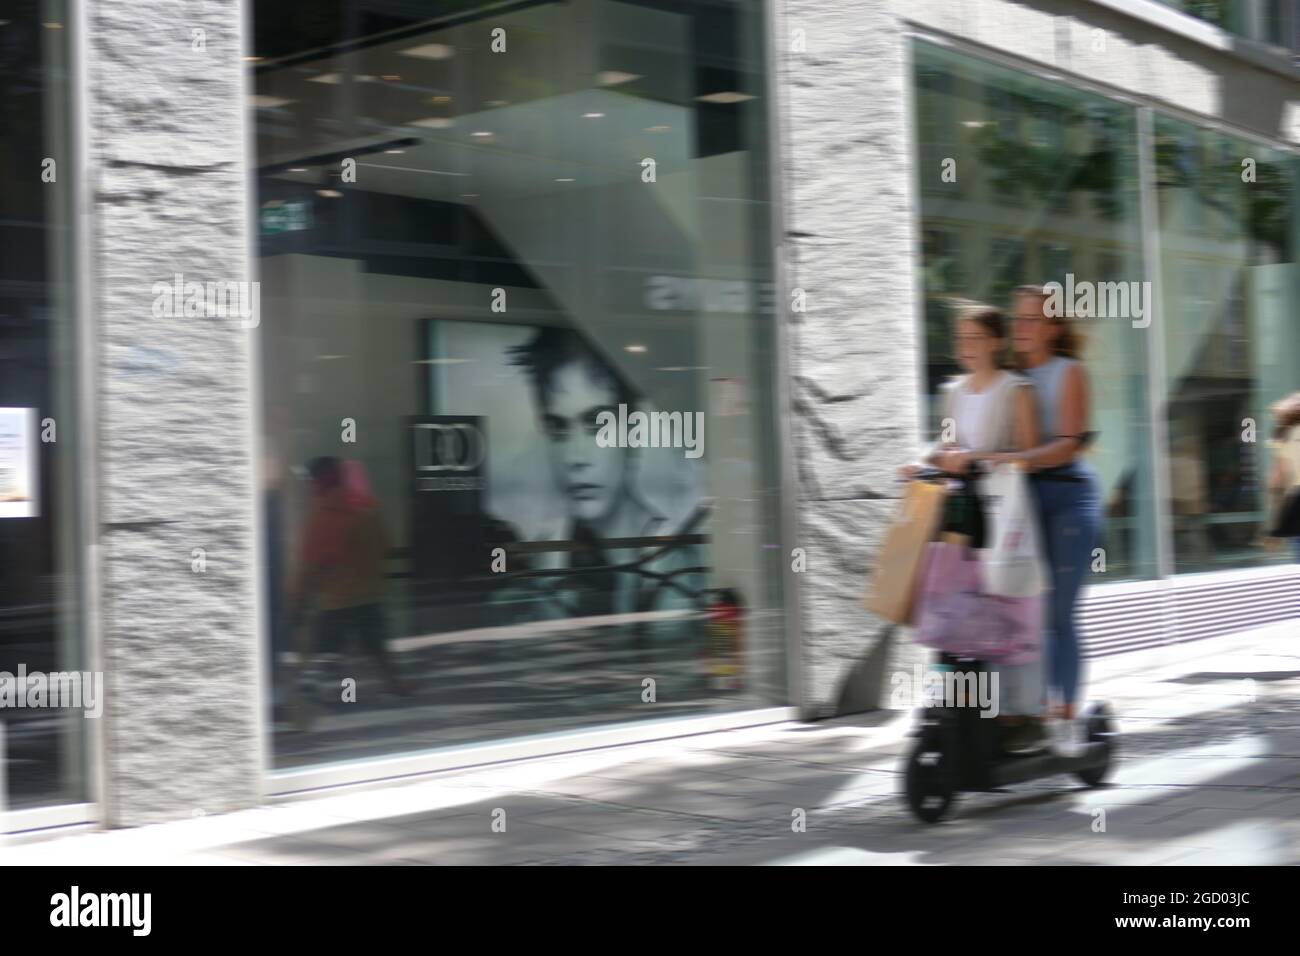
1035, 766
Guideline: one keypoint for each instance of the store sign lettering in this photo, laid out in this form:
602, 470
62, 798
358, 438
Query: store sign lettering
692, 294
277, 217
448, 455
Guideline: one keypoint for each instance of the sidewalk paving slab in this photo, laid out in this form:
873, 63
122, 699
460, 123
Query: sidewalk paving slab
1205, 774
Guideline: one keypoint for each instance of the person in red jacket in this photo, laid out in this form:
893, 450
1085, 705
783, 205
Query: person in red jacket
341, 567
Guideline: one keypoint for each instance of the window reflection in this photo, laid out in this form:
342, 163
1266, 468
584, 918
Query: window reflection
562, 220
1048, 189
39, 625
1231, 348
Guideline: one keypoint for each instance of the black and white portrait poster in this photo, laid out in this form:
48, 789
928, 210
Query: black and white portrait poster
613, 530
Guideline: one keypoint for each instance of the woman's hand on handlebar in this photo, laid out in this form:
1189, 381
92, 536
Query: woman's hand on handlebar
954, 462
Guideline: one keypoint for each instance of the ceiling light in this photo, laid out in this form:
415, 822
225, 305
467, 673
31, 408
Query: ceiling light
433, 122
615, 77
394, 152
329, 193
496, 103
725, 96
269, 102
975, 124
592, 115
634, 348
297, 169
430, 51
657, 129
564, 179
443, 98
52, 26
469, 195
254, 59
333, 79
481, 133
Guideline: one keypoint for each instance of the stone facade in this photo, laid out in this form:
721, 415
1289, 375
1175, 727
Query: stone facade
168, 191
849, 213
168, 188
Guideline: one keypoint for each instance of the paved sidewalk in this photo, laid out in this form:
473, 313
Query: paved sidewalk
1209, 773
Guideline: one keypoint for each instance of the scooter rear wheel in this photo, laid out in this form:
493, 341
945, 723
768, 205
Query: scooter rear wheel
1101, 730
928, 780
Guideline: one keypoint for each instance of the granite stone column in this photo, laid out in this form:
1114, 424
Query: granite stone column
841, 71
163, 93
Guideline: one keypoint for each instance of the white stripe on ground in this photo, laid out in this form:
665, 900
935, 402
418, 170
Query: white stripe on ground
514, 632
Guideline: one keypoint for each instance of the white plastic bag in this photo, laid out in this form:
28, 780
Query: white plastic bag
1013, 557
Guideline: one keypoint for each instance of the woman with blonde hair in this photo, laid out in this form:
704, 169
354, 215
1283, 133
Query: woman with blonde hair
1067, 492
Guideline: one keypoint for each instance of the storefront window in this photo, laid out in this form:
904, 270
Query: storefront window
1232, 345
492, 238
40, 633
1024, 181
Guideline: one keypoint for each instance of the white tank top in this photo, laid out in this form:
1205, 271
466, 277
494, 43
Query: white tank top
985, 421
971, 412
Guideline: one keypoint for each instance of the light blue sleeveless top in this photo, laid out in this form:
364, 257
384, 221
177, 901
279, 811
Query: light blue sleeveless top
1049, 379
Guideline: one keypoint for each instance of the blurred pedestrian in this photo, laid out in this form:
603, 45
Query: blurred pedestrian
341, 567
991, 409
1048, 351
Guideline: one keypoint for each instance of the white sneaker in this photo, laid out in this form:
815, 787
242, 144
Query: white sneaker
1067, 737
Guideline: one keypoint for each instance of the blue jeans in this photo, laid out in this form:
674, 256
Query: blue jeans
1070, 520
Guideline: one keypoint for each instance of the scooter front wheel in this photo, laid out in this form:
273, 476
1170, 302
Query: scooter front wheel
928, 780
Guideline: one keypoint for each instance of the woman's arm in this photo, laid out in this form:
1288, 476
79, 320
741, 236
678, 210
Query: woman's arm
946, 456
1073, 423
1026, 418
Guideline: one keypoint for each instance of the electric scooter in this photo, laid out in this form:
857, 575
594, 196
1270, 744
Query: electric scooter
958, 750
958, 746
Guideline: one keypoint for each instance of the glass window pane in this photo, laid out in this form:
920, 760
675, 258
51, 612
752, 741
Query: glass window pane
1232, 345
1048, 193
551, 229
40, 630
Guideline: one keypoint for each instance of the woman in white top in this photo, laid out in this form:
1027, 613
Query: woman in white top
991, 409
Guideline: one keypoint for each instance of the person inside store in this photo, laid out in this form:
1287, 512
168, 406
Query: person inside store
341, 570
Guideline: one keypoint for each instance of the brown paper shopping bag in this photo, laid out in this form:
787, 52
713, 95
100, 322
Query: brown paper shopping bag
891, 591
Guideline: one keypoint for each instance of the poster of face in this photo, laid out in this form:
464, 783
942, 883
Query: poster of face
511, 441
18, 474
